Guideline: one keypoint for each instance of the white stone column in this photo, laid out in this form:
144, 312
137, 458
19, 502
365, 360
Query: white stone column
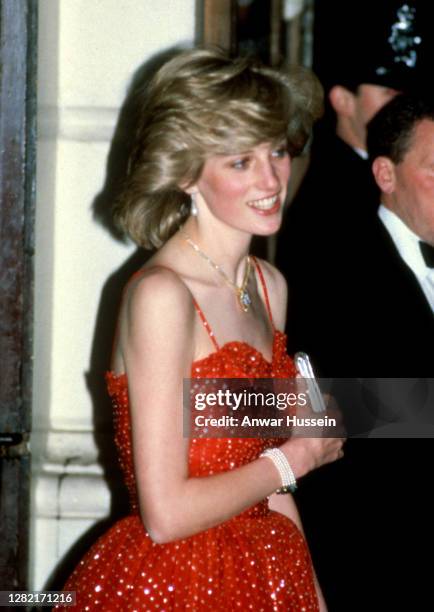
88, 53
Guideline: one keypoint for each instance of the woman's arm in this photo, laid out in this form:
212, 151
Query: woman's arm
157, 344
285, 504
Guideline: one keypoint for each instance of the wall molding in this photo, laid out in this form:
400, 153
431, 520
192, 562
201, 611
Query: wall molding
77, 123
71, 496
74, 452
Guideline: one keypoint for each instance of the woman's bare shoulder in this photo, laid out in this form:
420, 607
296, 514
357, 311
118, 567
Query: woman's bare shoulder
155, 295
157, 285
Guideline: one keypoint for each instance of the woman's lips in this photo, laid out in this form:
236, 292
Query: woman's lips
266, 206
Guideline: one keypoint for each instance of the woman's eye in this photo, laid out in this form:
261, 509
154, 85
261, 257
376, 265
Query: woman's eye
280, 152
240, 164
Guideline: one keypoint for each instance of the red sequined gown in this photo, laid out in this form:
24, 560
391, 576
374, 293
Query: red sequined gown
257, 560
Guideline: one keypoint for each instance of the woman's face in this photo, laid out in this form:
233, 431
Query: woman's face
246, 191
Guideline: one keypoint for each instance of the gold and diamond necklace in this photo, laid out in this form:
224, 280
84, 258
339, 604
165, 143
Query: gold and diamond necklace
241, 292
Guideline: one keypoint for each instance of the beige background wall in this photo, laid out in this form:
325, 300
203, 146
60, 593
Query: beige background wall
88, 53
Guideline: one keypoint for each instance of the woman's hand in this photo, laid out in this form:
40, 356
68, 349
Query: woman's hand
307, 454
315, 445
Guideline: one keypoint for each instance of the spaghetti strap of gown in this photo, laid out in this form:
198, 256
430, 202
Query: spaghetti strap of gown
264, 290
206, 325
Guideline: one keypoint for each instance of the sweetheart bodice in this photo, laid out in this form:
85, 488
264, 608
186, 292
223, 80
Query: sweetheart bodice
238, 359
235, 359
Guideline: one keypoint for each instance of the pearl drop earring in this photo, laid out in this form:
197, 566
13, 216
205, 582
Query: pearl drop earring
193, 209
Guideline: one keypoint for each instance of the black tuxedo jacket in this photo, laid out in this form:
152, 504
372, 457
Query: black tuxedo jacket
366, 316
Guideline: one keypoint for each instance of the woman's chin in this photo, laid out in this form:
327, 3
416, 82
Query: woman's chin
271, 227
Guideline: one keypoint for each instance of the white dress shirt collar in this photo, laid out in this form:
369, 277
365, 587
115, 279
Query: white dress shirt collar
361, 152
406, 241
407, 244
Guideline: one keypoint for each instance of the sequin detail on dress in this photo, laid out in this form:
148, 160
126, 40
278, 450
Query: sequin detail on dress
256, 561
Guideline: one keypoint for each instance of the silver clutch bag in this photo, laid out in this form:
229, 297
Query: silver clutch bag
305, 369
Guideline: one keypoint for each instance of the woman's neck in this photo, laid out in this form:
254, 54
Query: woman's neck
225, 246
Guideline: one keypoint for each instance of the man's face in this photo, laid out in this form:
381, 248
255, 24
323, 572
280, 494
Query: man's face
368, 100
413, 196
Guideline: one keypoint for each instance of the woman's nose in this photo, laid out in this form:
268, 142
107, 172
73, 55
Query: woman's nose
268, 178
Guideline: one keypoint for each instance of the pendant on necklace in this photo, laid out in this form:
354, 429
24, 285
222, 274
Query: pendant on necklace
244, 300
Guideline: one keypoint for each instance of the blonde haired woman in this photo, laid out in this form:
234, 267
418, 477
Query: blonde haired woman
209, 170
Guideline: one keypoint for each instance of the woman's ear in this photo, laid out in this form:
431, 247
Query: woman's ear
383, 169
188, 188
192, 191
342, 100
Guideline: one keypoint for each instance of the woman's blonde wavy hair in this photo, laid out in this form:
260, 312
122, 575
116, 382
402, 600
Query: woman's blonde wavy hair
199, 104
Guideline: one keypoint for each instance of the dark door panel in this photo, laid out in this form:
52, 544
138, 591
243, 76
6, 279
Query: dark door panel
17, 187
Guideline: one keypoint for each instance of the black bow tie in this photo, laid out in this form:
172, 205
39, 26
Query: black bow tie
427, 251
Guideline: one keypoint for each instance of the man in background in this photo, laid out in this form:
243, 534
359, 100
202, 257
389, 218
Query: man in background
399, 267
368, 517
363, 60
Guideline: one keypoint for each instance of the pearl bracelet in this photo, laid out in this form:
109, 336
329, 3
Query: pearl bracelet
289, 483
